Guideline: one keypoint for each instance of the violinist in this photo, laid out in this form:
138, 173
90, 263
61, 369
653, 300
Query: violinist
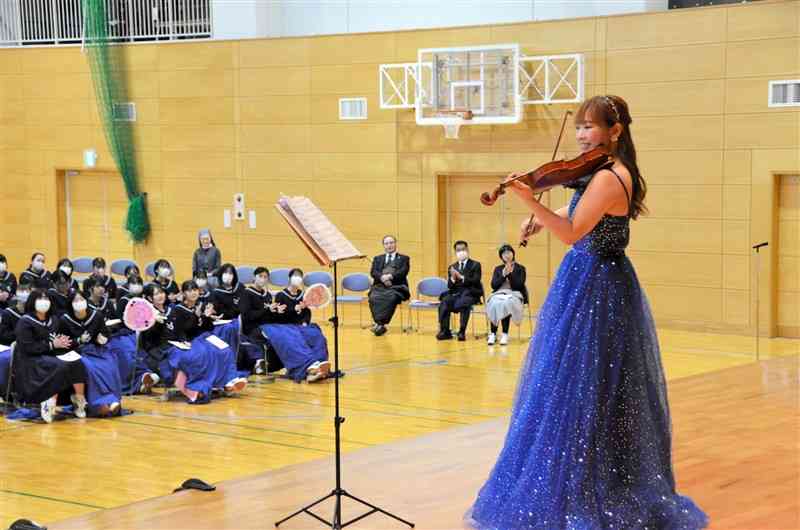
590, 419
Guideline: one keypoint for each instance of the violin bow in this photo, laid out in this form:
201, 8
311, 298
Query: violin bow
524, 242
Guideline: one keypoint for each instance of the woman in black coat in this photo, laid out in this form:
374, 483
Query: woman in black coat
509, 294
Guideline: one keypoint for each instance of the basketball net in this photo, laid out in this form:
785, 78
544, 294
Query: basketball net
451, 129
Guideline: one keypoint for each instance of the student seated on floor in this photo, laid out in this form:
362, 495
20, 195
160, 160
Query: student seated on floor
299, 344
39, 375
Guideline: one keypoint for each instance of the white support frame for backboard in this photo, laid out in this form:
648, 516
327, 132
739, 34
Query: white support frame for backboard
405, 95
546, 63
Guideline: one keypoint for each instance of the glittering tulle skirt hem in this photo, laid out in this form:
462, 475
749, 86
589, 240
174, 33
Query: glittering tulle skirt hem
589, 439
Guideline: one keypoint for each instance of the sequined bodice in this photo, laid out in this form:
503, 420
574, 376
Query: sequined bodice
611, 234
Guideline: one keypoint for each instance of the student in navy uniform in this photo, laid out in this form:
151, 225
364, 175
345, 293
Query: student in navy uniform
204, 366
66, 266
296, 311
130, 270
36, 274
99, 275
300, 345
187, 318
95, 292
152, 341
137, 377
60, 292
464, 289
90, 336
133, 289
39, 375
201, 279
8, 283
228, 292
257, 308
11, 314
164, 279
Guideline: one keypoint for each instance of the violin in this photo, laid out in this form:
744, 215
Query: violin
555, 173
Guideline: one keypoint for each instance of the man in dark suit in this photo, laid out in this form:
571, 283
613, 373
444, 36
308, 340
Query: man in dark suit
464, 289
390, 284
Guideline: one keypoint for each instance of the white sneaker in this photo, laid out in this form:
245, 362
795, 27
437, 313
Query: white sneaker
48, 409
490, 339
149, 380
236, 385
324, 368
114, 408
79, 402
314, 376
318, 370
261, 367
503, 339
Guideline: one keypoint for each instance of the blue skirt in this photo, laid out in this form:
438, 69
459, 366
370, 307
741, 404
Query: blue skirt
130, 363
229, 333
5, 364
297, 346
247, 353
589, 441
206, 366
103, 382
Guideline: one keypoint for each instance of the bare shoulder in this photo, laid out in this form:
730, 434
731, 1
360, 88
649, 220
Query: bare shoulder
610, 180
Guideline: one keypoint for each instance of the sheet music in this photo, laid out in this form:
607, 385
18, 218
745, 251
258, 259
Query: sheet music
70, 356
218, 342
321, 237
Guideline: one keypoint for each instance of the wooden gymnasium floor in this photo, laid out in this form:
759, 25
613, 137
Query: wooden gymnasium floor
424, 423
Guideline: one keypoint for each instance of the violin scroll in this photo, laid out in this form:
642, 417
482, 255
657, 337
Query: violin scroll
489, 199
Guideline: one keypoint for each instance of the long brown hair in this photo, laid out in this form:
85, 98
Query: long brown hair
610, 110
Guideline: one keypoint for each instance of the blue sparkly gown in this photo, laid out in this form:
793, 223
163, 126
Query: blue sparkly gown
589, 441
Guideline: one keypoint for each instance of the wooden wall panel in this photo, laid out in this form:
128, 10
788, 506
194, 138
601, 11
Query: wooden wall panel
261, 117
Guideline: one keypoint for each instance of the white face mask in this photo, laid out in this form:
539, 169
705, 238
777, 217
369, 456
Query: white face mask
100, 272
42, 305
201, 282
296, 281
65, 269
227, 278
135, 289
164, 272
79, 306
38, 266
260, 282
22, 296
3, 266
461, 255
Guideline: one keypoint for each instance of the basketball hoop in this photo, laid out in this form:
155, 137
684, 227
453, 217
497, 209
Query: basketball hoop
452, 127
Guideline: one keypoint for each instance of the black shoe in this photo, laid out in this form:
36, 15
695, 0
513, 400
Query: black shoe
462, 336
444, 335
380, 330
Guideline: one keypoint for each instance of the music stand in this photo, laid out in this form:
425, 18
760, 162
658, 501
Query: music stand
328, 246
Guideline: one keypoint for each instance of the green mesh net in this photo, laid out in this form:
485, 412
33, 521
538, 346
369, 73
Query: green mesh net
108, 74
